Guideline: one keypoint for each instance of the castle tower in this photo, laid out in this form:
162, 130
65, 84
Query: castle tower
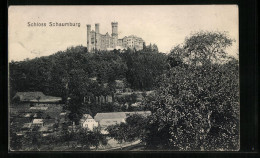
97, 28
88, 37
114, 29
114, 34
97, 37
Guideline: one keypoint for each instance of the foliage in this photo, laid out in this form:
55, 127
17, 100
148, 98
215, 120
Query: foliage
144, 68
88, 138
196, 106
69, 73
202, 48
134, 128
118, 132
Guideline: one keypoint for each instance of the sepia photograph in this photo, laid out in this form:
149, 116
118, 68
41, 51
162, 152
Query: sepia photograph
123, 78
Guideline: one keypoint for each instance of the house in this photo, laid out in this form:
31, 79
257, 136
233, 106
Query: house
88, 122
35, 97
136, 104
26, 115
38, 108
26, 127
37, 122
27, 96
120, 86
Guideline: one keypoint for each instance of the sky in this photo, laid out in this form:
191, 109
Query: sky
164, 25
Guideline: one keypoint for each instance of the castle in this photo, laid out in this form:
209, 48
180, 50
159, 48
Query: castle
98, 41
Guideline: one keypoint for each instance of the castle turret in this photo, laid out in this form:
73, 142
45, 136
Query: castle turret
114, 34
88, 37
97, 28
114, 29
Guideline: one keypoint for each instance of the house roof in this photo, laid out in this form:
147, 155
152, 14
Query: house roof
34, 96
87, 116
26, 96
38, 108
37, 121
43, 129
143, 113
27, 115
109, 115
27, 125
119, 115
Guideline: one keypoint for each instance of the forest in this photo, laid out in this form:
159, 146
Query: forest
55, 73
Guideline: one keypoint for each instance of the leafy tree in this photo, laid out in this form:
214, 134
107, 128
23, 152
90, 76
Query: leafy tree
118, 132
34, 139
196, 106
144, 68
137, 125
203, 48
134, 128
78, 88
90, 138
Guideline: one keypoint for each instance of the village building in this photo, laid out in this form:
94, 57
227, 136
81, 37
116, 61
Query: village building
26, 127
120, 86
37, 122
88, 122
35, 97
38, 108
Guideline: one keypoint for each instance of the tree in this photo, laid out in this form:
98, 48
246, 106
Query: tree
176, 57
118, 132
144, 68
137, 125
206, 47
34, 139
196, 106
78, 89
134, 128
90, 138
66, 136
